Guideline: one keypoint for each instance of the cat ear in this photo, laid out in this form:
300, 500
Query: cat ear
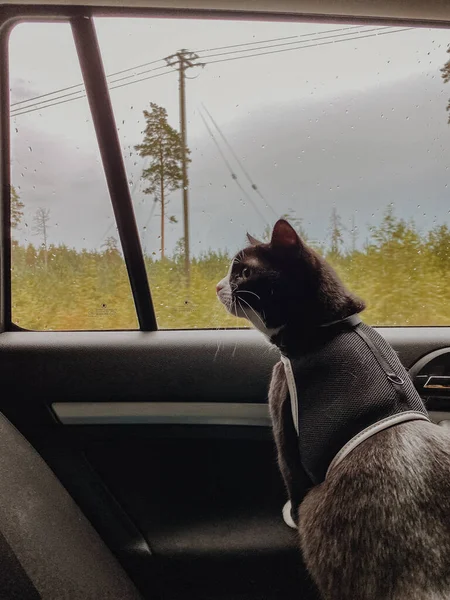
284, 236
253, 241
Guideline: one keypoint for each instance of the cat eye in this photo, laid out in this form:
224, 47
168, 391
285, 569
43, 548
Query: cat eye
245, 274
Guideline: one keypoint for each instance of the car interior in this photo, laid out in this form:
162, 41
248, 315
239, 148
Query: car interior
137, 459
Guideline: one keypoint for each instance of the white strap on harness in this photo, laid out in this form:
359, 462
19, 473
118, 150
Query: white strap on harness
363, 435
292, 390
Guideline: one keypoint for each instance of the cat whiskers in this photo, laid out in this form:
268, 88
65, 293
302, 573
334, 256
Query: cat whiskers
248, 292
258, 297
252, 309
231, 304
243, 310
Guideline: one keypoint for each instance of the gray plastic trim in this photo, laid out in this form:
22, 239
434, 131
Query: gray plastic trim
173, 413
157, 413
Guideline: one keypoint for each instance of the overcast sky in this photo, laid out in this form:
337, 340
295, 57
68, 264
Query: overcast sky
351, 123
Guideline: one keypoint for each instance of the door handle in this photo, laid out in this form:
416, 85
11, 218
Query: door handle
438, 382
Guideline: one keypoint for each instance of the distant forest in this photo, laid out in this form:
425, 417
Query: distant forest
402, 274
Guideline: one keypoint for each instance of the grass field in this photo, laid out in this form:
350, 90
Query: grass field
403, 276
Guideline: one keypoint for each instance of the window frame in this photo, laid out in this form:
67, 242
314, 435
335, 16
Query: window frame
97, 91
91, 63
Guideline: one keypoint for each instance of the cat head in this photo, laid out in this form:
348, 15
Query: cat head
284, 284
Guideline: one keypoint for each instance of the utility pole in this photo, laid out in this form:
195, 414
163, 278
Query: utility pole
183, 60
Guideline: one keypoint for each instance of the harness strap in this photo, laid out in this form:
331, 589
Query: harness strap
396, 381
365, 434
292, 390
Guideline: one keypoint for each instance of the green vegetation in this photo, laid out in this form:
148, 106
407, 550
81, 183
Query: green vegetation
403, 275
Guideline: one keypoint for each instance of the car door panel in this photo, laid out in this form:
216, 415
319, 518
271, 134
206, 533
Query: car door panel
182, 476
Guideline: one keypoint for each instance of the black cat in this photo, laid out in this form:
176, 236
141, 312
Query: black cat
367, 474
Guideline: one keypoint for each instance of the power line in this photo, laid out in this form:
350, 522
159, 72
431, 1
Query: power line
70, 87
152, 211
25, 110
289, 37
147, 64
116, 87
42, 104
237, 159
19, 112
229, 167
138, 74
78, 85
210, 62
106, 232
224, 158
291, 43
134, 68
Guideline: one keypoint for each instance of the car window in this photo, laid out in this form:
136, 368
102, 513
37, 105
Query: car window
341, 128
68, 270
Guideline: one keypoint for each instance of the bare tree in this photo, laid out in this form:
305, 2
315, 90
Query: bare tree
41, 226
335, 231
111, 248
354, 234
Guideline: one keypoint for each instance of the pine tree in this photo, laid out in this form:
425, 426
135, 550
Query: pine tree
445, 74
17, 207
163, 145
385, 233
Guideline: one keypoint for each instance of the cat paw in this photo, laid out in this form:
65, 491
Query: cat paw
287, 516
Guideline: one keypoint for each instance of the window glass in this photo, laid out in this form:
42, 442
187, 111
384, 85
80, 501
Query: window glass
342, 127
68, 270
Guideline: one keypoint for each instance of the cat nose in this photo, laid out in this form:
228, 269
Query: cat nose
219, 287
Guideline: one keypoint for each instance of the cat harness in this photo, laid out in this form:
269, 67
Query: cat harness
350, 387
